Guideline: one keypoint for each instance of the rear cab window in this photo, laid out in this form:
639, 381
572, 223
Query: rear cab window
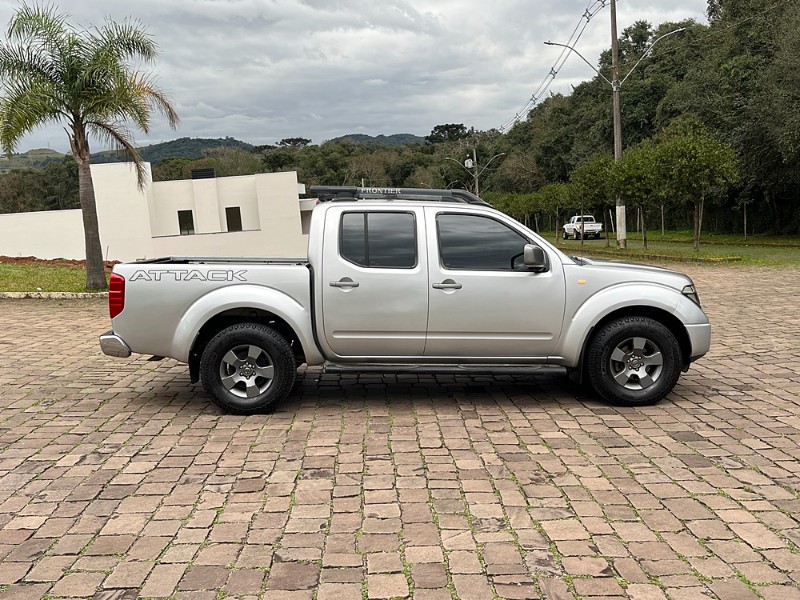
380, 239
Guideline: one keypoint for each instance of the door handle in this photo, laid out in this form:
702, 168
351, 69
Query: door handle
344, 282
447, 284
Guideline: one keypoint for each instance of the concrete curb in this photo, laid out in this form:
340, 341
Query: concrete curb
52, 295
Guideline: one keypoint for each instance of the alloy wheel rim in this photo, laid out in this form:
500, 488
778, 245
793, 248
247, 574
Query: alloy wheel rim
636, 363
246, 371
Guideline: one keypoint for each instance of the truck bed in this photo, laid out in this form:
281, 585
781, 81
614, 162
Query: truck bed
217, 260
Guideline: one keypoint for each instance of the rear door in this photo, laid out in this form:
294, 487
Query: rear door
483, 301
374, 281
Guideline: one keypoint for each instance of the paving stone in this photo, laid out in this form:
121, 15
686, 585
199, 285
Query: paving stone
128, 575
387, 586
293, 576
472, 587
245, 581
429, 576
78, 584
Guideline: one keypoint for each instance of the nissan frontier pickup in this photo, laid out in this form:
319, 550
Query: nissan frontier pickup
409, 280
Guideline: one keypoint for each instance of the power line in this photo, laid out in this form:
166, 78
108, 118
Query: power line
591, 11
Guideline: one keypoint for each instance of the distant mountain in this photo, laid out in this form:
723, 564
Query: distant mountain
32, 159
180, 148
398, 139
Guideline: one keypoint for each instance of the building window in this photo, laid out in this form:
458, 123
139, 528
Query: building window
233, 217
186, 222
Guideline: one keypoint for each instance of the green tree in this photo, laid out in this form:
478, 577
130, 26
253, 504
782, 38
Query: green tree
229, 162
61, 187
693, 164
639, 180
173, 168
556, 197
449, 132
53, 72
294, 142
22, 190
593, 183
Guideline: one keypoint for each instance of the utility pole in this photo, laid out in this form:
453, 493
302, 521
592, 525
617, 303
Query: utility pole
616, 85
475, 164
622, 232
471, 166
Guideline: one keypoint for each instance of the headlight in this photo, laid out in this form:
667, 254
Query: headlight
691, 293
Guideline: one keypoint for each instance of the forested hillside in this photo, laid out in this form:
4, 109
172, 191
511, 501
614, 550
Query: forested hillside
710, 128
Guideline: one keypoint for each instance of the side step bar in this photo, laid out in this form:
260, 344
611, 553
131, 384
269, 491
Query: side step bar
434, 369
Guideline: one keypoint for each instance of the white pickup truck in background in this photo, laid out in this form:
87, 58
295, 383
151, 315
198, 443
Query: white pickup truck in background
582, 226
415, 281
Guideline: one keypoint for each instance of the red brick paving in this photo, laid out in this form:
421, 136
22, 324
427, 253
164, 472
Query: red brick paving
118, 479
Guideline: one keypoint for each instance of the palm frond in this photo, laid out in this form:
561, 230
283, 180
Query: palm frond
121, 139
125, 41
23, 109
36, 21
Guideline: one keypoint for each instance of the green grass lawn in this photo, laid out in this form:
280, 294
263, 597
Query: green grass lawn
677, 245
24, 278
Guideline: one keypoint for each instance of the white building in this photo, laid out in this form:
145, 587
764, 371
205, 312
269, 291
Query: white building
249, 215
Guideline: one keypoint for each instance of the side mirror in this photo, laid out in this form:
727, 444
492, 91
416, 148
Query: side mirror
534, 257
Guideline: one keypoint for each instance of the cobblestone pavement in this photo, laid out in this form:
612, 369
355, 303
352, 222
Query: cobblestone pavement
119, 480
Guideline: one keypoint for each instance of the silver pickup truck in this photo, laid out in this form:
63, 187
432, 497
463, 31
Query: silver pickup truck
407, 280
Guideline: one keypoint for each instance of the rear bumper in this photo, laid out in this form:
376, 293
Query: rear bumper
113, 345
700, 339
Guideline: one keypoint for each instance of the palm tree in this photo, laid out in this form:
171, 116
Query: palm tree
52, 72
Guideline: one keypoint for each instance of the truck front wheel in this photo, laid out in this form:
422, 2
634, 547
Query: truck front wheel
634, 361
247, 368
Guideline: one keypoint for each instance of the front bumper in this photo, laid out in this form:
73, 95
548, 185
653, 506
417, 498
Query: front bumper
700, 339
113, 345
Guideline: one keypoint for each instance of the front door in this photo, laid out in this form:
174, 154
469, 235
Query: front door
374, 282
484, 302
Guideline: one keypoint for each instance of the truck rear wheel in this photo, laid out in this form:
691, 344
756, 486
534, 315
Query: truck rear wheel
247, 368
634, 361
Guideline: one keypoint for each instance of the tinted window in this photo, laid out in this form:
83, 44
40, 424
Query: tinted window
381, 239
478, 243
186, 222
233, 217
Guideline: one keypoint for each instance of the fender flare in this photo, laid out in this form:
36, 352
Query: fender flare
244, 296
619, 298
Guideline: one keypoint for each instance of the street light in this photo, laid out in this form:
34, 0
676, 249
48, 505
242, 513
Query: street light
616, 84
472, 163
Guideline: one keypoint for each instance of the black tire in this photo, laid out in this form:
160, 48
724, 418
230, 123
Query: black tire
564, 234
634, 361
257, 364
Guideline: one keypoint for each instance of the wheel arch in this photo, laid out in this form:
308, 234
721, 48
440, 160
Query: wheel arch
232, 316
669, 320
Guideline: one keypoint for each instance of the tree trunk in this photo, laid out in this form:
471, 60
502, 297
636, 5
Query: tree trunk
644, 229
557, 222
698, 222
95, 272
662, 219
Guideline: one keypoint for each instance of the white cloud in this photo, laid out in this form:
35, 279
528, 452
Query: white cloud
262, 70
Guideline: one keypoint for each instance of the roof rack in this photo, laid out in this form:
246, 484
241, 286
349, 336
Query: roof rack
340, 193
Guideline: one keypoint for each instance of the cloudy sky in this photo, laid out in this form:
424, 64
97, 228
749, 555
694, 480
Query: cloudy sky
263, 70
